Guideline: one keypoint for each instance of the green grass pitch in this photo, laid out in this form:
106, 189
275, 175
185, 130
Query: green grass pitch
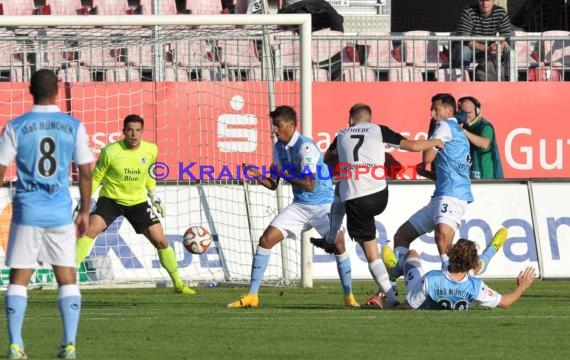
296, 323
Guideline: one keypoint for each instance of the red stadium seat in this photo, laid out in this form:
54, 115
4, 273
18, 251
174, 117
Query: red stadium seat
100, 54
238, 53
204, 7
452, 75
175, 74
111, 7
421, 53
64, 7
405, 74
322, 49
318, 74
193, 53
74, 74
359, 74
377, 53
167, 7
556, 52
122, 74
18, 7
524, 52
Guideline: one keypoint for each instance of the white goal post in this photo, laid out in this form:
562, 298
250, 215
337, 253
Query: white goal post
37, 39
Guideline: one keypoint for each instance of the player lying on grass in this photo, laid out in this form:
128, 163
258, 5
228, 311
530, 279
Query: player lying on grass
123, 170
454, 288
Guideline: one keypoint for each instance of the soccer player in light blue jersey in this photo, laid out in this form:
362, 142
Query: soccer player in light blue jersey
44, 142
297, 160
454, 288
452, 189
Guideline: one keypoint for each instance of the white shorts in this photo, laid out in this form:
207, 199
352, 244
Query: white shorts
440, 210
297, 218
30, 245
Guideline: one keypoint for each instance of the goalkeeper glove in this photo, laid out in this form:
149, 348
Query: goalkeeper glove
157, 202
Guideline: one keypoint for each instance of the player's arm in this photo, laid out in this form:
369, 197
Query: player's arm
151, 185
442, 132
305, 182
100, 170
331, 155
7, 150
2, 172
391, 137
524, 281
84, 157
271, 182
483, 141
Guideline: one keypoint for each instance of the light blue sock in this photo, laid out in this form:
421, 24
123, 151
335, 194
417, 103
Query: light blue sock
260, 261
69, 302
344, 272
488, 254
397, 270
485, 257
16, 303
444, 262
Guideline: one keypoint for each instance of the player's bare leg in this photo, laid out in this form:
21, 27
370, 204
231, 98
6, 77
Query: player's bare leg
443, 239
379, 274
16, 302
270, 237
167, 257
69, 303
85, 242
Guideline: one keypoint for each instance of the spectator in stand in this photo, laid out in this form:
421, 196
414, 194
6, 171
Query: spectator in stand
483, 19
485, 156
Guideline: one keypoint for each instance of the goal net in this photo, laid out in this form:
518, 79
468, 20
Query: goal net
205, 86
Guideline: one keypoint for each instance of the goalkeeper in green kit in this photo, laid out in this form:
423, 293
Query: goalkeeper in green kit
123, 169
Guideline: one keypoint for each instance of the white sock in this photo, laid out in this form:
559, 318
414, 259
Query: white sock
380, 275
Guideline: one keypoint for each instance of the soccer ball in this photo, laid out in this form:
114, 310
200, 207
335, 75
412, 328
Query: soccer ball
197, 239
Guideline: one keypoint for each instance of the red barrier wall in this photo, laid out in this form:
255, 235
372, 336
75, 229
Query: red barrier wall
183, 118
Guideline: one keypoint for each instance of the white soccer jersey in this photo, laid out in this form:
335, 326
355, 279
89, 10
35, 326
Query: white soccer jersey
361, 154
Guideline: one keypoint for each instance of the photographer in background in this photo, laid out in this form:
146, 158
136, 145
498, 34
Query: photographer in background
485, 156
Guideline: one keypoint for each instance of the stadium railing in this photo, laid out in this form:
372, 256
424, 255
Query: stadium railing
366, 56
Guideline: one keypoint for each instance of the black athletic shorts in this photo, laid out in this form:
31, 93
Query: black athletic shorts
360, 214
141, 216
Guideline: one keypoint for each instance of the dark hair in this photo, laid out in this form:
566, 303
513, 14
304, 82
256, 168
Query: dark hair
284, 111
358, 108
463, 256
133, 118
43, 85
446, 99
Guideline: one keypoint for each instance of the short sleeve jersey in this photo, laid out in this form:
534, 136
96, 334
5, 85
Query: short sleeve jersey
124, 172
361, 153
44, 142
302, 157
452, 163
438, 291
